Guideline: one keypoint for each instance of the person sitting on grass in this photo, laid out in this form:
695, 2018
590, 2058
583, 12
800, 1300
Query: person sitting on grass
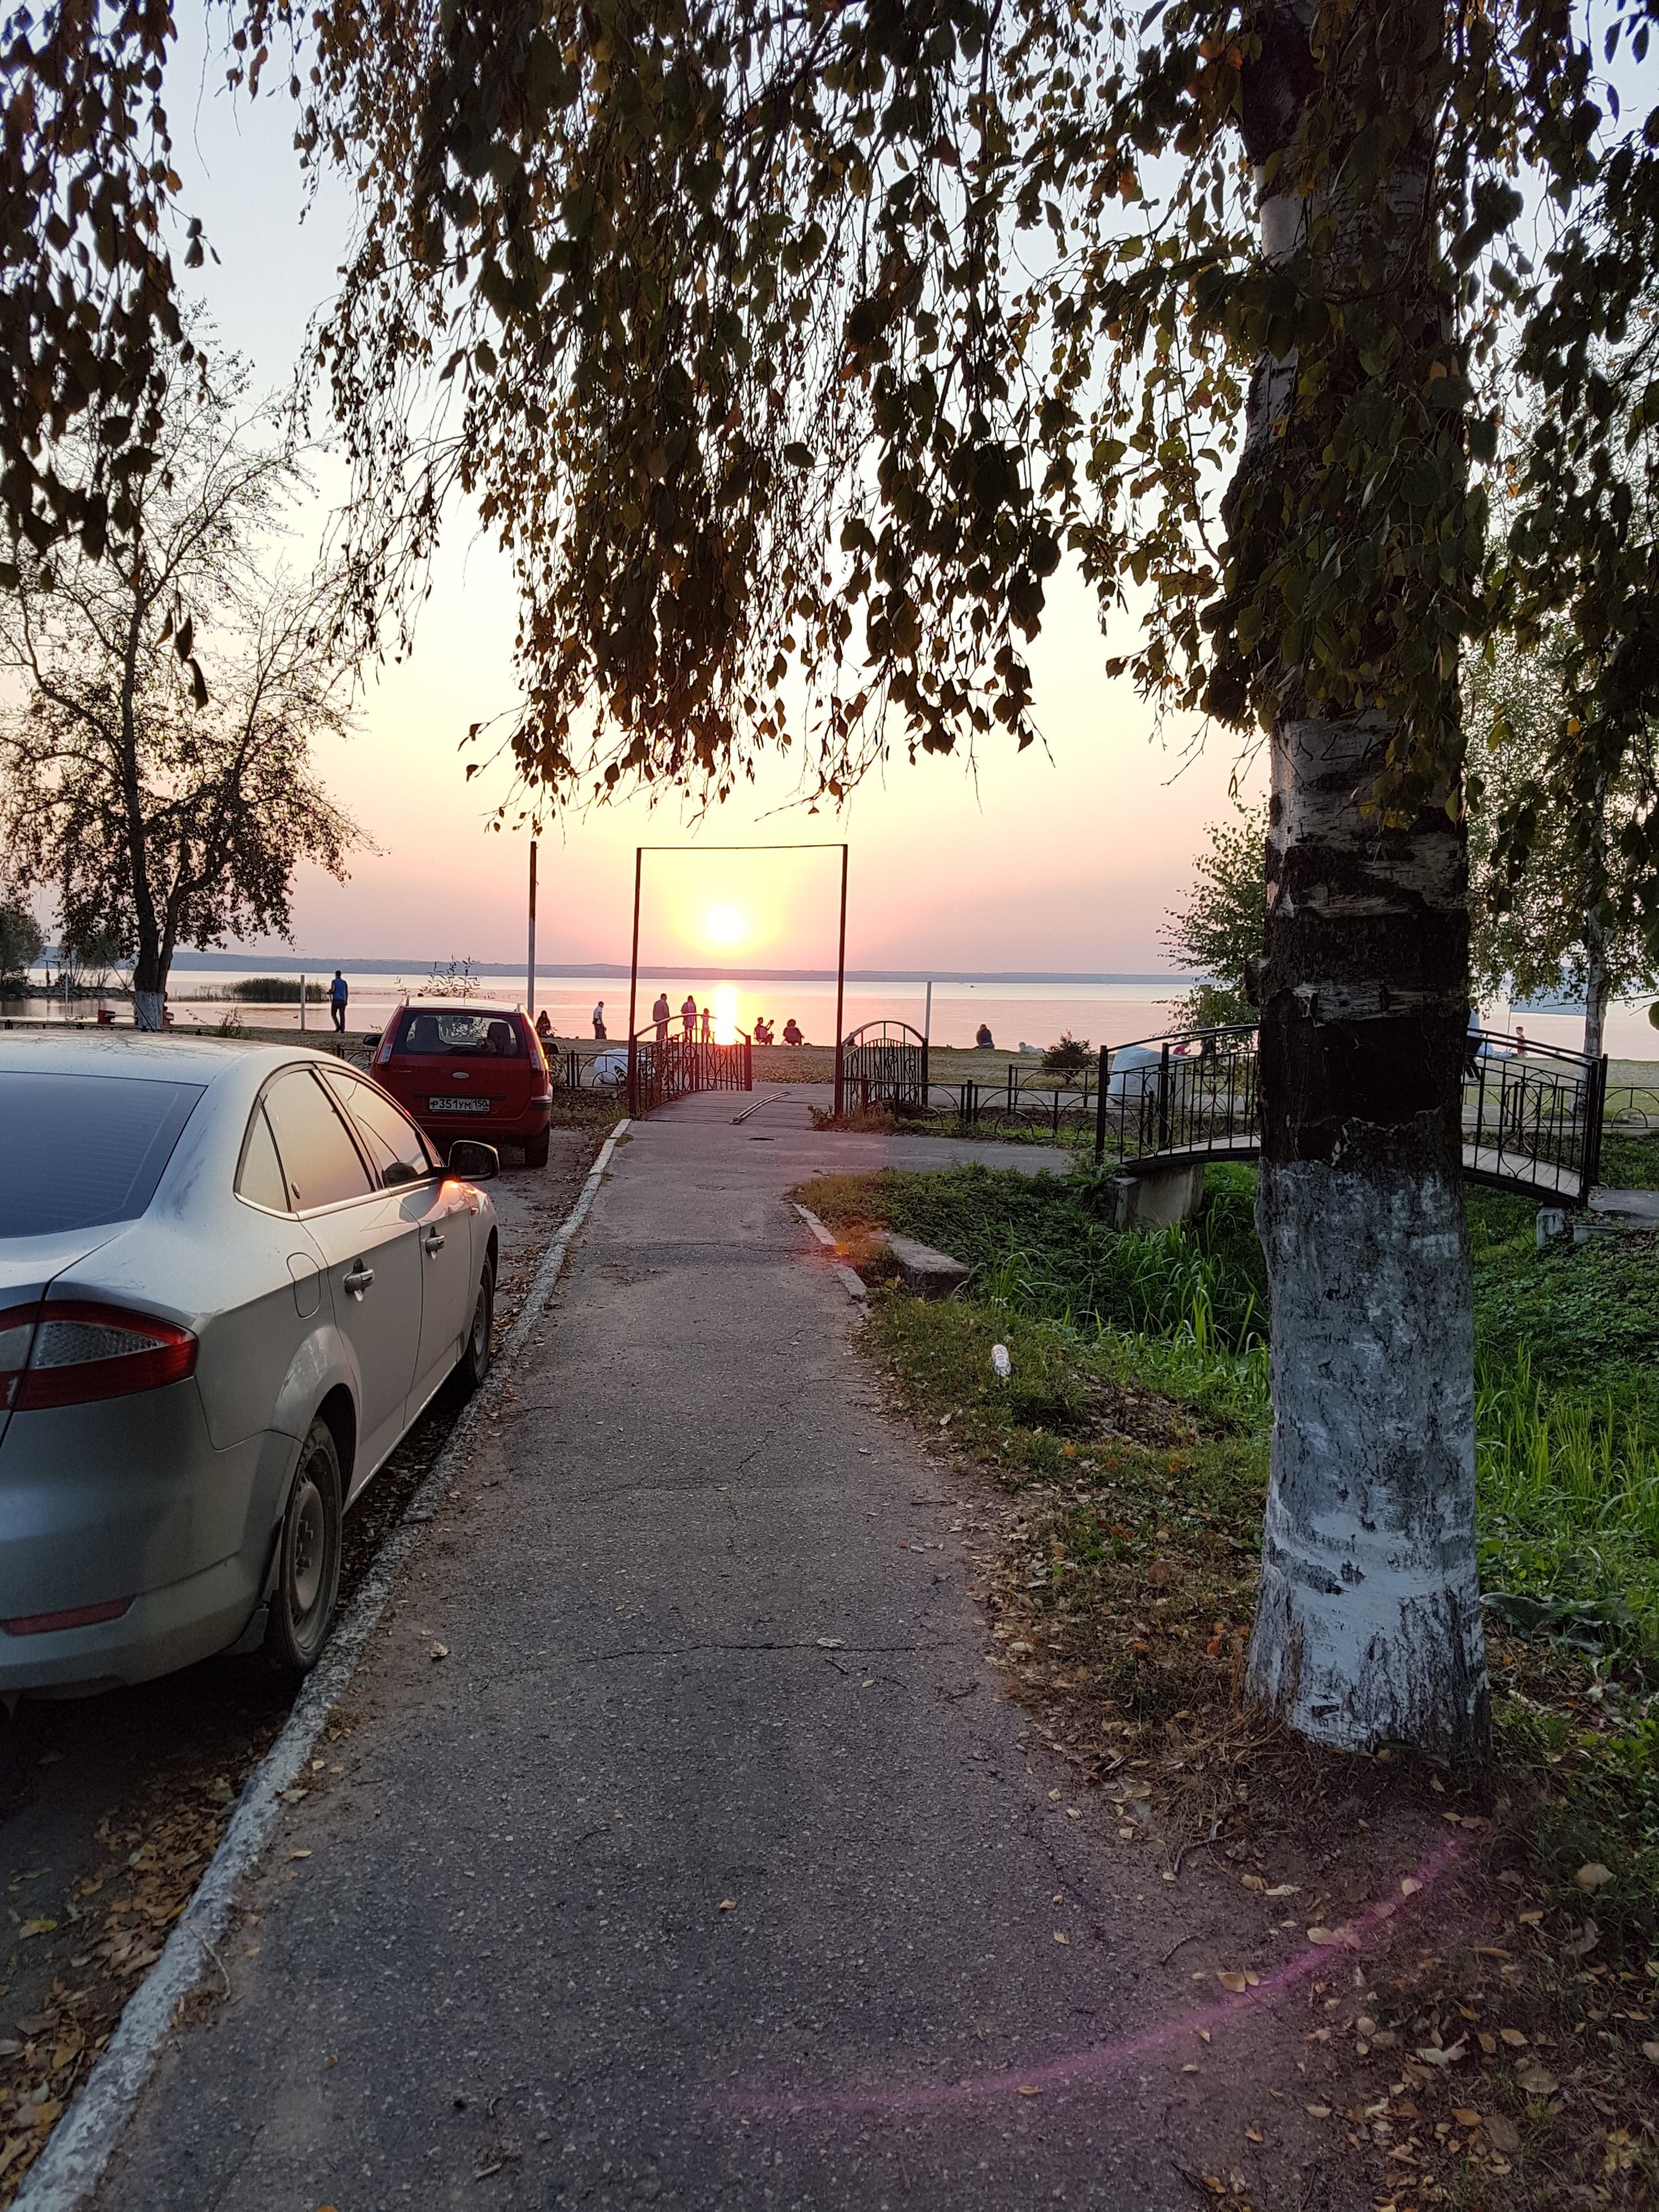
983, 1039
793, 1033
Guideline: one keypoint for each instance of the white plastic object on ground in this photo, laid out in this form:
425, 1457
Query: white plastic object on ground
1000, 1361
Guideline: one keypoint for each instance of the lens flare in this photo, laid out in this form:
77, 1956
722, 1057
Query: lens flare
725, 925
725, 1013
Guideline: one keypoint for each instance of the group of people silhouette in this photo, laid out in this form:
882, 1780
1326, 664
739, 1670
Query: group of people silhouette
697, 1023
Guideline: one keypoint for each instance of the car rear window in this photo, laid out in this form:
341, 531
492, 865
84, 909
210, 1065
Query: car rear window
77, 1151
483, 1035
321, 1162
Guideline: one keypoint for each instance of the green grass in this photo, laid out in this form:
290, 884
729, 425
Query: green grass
1567, 1456
1040, 1244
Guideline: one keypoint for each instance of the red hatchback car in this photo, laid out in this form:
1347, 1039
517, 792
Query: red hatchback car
469, 1071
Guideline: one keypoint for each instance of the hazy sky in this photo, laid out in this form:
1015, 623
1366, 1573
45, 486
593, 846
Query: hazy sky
1067, 861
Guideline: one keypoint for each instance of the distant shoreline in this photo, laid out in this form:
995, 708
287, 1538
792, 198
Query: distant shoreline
211, 963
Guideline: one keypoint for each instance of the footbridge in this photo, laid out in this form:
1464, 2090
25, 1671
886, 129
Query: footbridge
1163, 1107
1532, 1114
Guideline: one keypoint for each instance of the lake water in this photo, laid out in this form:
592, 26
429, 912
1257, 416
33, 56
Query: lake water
1015, 1013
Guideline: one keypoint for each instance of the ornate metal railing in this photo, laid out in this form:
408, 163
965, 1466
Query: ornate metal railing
1532, 1114
1532, 1117
1196, 1094
660, 1071
884, 1064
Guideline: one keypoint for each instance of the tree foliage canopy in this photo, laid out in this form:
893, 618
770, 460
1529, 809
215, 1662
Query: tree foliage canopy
1217, 931
790, 350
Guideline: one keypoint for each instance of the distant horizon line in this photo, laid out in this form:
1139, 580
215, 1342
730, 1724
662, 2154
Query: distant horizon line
609, 970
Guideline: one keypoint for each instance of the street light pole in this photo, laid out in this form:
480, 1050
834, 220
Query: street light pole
633, 992
530, 991
840, 985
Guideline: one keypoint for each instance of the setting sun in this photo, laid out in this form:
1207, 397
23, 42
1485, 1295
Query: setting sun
724, 926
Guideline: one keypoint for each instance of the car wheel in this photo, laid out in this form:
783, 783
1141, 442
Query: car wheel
480, 1347
535, 1150
307, 1561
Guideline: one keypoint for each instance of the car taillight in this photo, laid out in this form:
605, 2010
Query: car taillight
17, 1332
73, 1350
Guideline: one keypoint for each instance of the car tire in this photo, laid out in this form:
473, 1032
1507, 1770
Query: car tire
535, 1150
479, 1350
307, 1561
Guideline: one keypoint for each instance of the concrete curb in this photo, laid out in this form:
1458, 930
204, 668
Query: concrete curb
72, 2164
851, 1282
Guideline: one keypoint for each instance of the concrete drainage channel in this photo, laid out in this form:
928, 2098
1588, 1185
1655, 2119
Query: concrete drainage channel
70, 2167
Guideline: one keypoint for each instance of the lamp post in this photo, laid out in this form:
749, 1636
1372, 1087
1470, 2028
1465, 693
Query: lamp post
530, 987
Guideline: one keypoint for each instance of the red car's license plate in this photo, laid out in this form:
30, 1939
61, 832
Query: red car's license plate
458, 1105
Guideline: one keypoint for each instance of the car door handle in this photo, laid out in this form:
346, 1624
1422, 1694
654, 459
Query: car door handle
432, 1240
357, 1279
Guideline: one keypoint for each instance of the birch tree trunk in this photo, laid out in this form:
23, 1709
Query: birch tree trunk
1368, 1627
1596, 936
1596, 986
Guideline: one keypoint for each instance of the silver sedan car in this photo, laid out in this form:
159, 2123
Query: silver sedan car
230, 1278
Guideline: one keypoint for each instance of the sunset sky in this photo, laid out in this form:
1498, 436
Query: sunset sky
1063, 862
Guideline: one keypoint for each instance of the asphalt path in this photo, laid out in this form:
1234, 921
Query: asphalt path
682, 1849
143, 1778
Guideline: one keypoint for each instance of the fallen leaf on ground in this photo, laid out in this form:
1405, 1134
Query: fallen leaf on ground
1466, 2116
1030, 2089
299, 1855
1651, 2051
1319, 2111
1234, 1982
1537, 2081
1409, 1885
1502, 2132
1514, 2038
1284, 1889
830, 1642
1592, 1875
37, 1928
1432, 2055
728, 1904
439, 1651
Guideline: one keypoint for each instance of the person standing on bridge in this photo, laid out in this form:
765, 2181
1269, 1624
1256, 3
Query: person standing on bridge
707, 1027
659, 1015
689, 1017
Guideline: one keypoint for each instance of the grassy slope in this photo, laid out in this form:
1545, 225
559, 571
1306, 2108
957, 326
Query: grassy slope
1132, 1440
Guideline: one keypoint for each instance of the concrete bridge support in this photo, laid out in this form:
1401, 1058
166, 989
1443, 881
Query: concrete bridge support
1157, 1197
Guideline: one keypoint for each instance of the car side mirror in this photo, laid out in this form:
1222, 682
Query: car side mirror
478, 1162
372, 1038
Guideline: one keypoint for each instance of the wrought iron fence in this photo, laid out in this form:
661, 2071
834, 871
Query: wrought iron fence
1024, 1101
1196, 1094
1532, 1117
660, 1071
885, 1064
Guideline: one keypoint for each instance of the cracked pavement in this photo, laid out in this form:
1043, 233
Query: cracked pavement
708, 1867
